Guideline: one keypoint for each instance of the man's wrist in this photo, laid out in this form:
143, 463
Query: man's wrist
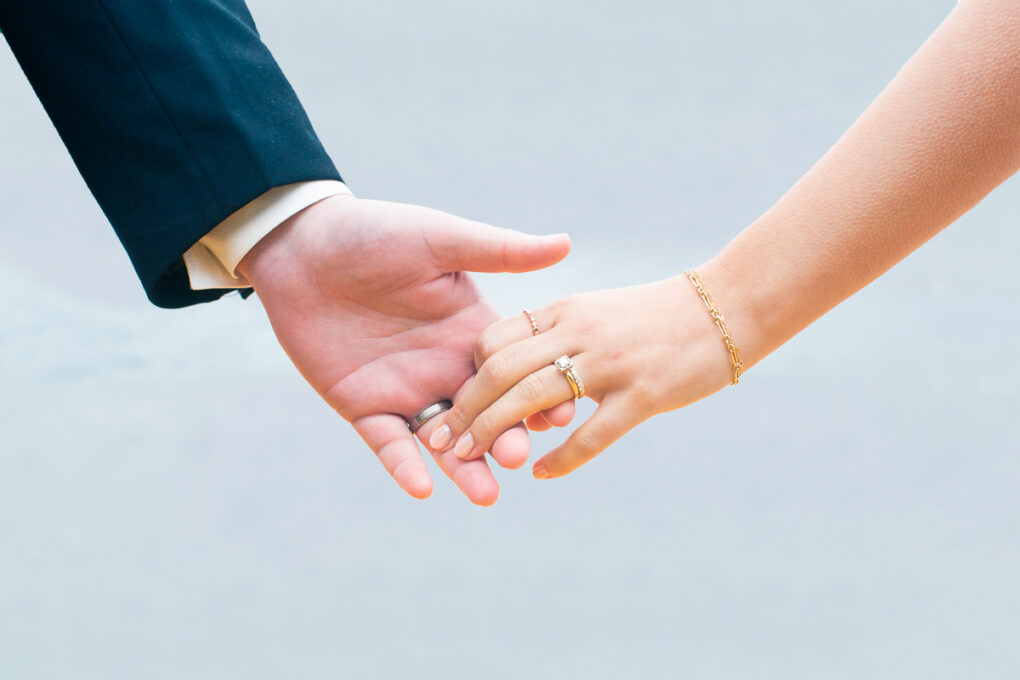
277, 247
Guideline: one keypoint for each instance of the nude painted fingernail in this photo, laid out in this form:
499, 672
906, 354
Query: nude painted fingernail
464, 445
440, 438
540, 472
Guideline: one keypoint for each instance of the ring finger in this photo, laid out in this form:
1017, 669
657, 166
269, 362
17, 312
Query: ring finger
542, 389
496, 376
515, 329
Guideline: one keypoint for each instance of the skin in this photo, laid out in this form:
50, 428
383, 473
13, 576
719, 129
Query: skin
370, 301
941, 136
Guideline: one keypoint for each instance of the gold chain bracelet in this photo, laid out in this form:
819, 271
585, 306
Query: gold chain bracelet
699, 285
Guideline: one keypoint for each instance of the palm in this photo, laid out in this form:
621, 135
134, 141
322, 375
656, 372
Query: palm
366, 301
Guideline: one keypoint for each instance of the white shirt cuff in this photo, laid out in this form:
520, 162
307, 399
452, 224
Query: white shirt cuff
212, 262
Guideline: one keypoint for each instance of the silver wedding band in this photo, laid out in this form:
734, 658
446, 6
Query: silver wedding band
428, 413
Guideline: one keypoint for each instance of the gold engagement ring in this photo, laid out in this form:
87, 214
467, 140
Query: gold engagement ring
566, 366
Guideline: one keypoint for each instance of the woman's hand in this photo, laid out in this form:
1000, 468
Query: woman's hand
638, 351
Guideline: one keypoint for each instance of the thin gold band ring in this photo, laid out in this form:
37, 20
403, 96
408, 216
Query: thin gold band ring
533, 321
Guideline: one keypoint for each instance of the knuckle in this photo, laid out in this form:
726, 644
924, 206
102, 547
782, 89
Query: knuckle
587, 327
495, 370
646, 398
564, 305
588, 443
531, 389
485, 345
483, 428
571, 300
617, 353
456, 419
641, 398
575, 311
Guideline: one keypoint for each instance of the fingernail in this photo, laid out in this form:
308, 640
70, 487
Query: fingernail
464, 445
440, 438
540, 472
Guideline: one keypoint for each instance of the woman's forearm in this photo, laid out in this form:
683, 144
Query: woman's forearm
944, 133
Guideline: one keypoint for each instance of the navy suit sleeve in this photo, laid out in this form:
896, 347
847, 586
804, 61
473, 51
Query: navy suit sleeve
174, 112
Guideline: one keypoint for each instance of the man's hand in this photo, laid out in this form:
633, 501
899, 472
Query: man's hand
370, 301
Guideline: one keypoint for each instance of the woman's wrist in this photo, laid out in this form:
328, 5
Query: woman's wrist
694, 336
738, 303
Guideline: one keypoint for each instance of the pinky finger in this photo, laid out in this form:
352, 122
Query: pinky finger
595, 435
393, 443
536, 422
560, 415
557, 416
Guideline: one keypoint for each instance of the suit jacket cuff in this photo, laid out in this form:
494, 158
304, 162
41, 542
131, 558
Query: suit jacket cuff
212, 262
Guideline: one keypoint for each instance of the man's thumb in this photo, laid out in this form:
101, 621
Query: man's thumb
476, 247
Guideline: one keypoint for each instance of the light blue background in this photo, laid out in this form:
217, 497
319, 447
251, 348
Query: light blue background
176, 503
